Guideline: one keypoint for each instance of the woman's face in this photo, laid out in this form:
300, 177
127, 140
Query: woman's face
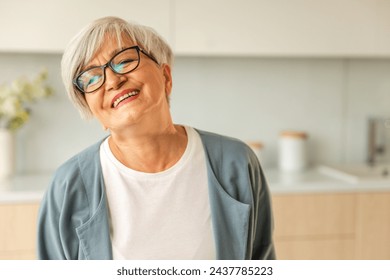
148, 87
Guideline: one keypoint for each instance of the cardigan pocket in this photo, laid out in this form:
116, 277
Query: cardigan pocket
94, 236
230, 219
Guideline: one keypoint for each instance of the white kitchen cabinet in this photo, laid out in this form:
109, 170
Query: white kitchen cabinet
343, 28
346, 28
48, 25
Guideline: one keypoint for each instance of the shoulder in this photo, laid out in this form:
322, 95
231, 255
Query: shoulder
234, 166
226, 147
214, 137
76, 163
229, 158
69, 178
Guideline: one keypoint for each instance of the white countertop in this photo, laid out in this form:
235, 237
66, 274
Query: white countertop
30, 188
313, 181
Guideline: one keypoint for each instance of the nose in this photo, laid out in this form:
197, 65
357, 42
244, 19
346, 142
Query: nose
113, 80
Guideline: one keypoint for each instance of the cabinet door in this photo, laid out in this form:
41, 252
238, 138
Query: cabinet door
282, 27
373, 226
312, 248
47, 25
18, 224
314, 226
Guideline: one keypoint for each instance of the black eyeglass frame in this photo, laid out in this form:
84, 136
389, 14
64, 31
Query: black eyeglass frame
109, 64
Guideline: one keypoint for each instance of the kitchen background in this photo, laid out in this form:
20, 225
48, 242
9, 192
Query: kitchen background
249, 98
244, 68
323, 67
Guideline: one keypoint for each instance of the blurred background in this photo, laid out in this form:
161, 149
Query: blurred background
250, 69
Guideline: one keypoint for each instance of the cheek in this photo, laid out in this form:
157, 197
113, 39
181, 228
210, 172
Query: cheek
159, 84
154, 78
89, 103
94, 104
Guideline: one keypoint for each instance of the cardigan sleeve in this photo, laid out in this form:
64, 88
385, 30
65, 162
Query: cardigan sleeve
263, 246
238, 172
49, 242
252, 188
59, 214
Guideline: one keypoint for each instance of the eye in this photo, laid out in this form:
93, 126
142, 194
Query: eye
93, 80
118, 67
123, 65
90, 80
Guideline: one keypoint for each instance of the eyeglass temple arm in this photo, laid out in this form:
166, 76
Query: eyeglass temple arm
150, 56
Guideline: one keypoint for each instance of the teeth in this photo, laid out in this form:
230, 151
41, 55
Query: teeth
123, 97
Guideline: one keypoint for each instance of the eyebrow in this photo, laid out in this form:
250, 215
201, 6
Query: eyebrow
112, 53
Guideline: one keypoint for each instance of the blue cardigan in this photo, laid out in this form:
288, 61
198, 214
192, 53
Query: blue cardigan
74, 224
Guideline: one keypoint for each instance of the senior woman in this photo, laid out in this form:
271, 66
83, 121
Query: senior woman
152, 189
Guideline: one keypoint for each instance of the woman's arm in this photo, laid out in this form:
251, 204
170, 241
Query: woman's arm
263, 246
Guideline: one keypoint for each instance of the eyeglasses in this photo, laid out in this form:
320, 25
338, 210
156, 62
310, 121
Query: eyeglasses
123, 62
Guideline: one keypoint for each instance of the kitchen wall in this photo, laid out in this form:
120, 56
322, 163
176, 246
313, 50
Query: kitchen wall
248, 98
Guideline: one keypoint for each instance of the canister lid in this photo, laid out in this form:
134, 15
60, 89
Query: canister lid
294, 134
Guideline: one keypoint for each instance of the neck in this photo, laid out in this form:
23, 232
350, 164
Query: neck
150, 150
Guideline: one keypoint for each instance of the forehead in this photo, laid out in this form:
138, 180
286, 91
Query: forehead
109, 47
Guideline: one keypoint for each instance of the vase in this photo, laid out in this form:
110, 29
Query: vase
7, 153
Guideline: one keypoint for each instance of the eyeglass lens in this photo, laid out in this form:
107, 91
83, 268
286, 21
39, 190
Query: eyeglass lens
122, 63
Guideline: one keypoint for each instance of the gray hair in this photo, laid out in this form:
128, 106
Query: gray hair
82, 48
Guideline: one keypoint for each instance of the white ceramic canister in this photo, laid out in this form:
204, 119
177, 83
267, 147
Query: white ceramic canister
292, 151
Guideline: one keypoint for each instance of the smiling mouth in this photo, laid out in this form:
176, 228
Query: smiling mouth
124, 97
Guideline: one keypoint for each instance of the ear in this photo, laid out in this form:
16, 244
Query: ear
168, 78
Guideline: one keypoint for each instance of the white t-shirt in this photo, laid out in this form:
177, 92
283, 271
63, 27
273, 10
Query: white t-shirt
164, 215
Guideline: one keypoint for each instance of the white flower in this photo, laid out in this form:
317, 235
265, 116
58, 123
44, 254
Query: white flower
9, 106
14, 99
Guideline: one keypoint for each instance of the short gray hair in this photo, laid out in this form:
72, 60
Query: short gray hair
82, 48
